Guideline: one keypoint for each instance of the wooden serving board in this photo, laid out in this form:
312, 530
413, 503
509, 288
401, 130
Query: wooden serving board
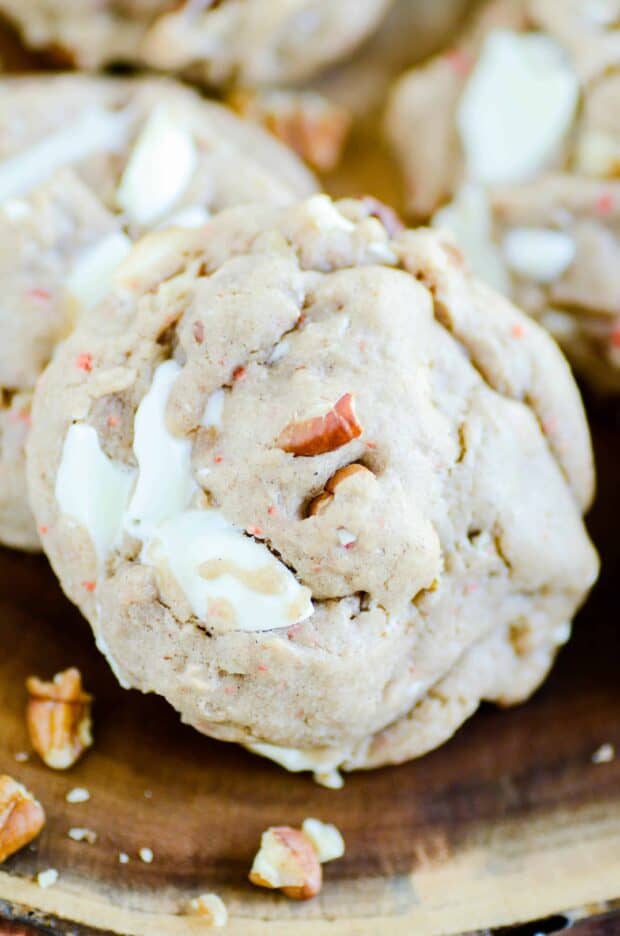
510, 821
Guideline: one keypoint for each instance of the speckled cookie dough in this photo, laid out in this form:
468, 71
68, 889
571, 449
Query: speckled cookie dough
514, 135
339, 484
215, 41
87, 165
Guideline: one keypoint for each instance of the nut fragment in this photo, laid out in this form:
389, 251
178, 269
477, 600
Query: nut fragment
322, 434
210, 908
307, 122
318, 505
287, 861
21, 816
58, 717
326, 838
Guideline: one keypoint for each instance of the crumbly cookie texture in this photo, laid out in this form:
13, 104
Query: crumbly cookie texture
520, 151
86, 166
215, 41
238, 374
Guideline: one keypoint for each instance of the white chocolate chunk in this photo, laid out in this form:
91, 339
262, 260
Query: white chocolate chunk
91, 276
598, 154
91, 489
159, 170
468, 219
15, 209
297, 759
517, 107
165, 485
214, 409
195, 544
326, 838
539, 254
326, 216
194, 217
98, 130
602, 12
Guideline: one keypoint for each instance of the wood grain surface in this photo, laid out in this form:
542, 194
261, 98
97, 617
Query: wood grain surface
510, 821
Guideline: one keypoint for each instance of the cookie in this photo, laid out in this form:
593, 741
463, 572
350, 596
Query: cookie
514, 135
87, 165
315, 484
247, 41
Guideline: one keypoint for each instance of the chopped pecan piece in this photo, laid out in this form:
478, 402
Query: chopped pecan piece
21, 816
323, 434
58, 717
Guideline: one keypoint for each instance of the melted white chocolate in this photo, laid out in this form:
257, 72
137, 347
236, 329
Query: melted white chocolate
93, 490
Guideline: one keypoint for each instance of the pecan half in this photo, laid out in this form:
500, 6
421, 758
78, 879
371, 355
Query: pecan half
322, 433
318, 505
287, 861
58, 718
21, 817
308, 123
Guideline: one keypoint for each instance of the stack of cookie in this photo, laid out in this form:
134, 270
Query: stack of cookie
304, 474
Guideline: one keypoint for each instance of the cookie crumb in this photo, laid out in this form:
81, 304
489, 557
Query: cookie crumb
146, 855
47, 878
21, 757
604, 755
77, 795
210, 908
79, 834
148, 794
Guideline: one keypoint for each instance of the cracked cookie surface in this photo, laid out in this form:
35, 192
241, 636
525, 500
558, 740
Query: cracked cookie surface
520, 152
341, 484
215, 41
85, 168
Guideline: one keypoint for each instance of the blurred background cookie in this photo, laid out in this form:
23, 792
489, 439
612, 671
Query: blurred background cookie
514, 133
87, 165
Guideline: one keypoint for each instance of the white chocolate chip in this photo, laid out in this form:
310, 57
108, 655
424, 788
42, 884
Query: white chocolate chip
165, 485
345, 537
280, 351
193, 217
183, 542
517, 107
539, 254
468, 219
330, 779
77, 795
326, 216
159, 170
97, 130
123, 858
91, 276
326, 839
194, 539
214, 409
47, 878
91, 489
321, 762
15, 209
561, 634
146, 855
